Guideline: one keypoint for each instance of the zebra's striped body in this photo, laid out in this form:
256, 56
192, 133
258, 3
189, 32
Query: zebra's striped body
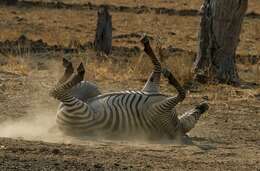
146, 113
122, 114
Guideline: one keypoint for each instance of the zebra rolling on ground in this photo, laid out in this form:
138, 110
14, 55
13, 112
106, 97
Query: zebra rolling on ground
126, 114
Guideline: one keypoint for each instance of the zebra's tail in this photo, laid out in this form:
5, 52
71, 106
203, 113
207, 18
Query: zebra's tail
190, 118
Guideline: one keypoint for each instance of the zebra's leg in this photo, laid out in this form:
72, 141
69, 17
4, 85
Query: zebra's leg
62, 91
169, 103
67, 72
190, 118
71, 105
83, 90
153, 82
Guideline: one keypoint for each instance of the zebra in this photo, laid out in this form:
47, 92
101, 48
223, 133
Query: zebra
125, 114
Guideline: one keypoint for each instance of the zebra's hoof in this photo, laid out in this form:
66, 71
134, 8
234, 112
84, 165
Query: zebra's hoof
203, 107
81, 69
185, 139
145, 39
66, 63
166, 72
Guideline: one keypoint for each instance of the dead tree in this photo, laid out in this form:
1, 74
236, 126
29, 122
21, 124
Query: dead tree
103, 39
218, 40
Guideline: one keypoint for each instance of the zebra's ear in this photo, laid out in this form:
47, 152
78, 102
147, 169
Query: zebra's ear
81, 69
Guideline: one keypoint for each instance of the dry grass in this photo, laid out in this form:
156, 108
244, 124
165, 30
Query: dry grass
253, 5
129, 71
16, 65
249, 72
135, 69
60, 26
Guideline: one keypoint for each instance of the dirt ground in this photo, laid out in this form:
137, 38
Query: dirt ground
227, 137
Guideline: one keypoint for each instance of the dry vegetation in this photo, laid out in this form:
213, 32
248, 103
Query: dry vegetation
176, 4
226, 138
59, 26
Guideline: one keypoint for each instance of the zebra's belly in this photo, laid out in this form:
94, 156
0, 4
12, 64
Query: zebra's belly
110, 125
120, 115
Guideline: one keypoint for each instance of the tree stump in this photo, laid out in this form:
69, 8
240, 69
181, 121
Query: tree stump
103, 38
218, 40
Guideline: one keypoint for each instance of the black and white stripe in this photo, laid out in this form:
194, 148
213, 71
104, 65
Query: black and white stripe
124, 114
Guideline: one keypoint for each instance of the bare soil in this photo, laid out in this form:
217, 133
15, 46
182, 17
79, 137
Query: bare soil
227, 137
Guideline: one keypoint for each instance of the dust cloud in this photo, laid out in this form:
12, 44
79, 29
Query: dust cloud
37, 122
38, 125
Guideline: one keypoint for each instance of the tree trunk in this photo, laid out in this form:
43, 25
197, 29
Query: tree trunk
103, 39
218, 40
